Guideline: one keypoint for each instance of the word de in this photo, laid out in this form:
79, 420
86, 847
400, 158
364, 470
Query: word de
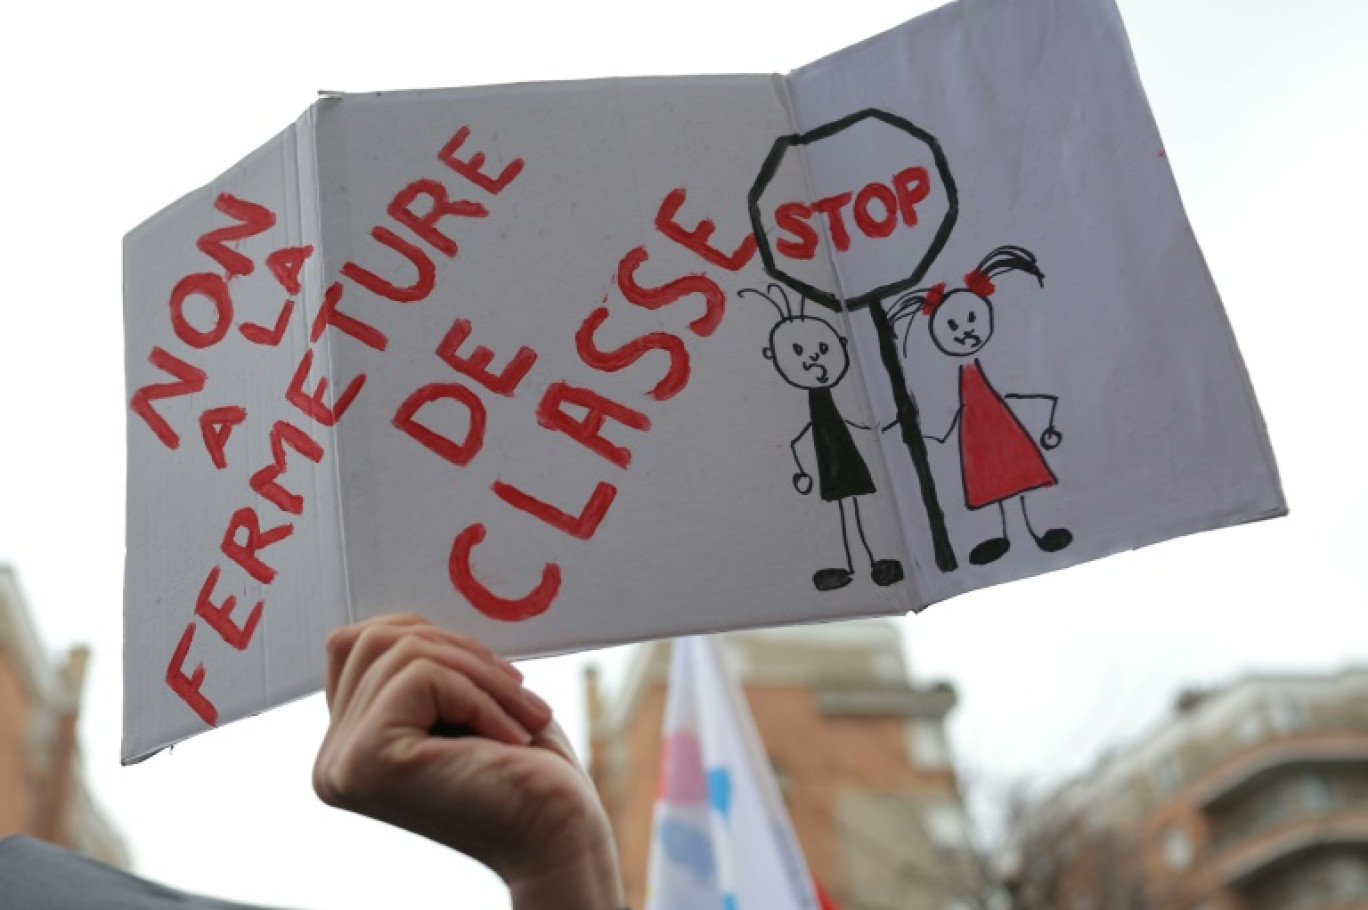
579, 413
354, 310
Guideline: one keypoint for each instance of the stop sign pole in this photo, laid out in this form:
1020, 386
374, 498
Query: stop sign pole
909, 424
908, 414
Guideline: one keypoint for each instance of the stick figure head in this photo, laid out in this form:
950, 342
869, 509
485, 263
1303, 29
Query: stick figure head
962, 323
807, 350
961, 320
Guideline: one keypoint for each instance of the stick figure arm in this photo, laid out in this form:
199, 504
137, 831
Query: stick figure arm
793, 447
1052, 399
954, 422
858, 426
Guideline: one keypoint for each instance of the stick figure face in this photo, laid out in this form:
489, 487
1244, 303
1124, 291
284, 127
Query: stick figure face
962, 324
808, 352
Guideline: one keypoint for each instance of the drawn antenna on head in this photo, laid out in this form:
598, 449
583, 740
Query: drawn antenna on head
785, 309
788, 304
802, 301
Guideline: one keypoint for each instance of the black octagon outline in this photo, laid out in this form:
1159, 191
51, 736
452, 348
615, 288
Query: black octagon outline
771, 166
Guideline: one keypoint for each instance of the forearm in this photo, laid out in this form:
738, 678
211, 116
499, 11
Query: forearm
591, 881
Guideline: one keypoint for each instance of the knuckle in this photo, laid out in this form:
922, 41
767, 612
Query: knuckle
324, 785
466, 642
339, 640
321, 788
372, 641
418, 671
412, 648
348, 780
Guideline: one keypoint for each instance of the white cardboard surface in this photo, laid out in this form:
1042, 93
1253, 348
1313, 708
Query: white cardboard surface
1050, 140
566, 236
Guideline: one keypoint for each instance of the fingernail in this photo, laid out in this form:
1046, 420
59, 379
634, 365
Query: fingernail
536, 702
509, 668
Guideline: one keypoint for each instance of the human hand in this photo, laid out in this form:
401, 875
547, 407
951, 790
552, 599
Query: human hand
497, 781
1051, 438
802, 482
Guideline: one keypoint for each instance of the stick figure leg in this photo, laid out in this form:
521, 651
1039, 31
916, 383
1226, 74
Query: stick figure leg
1052, 540
831, 579
884, 571
994, 548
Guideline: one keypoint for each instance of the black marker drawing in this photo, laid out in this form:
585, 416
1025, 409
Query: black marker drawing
903, 400
811, 355
999, 460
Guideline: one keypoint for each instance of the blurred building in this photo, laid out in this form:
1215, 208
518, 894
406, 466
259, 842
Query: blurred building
42, 786
859, 751
1251, 797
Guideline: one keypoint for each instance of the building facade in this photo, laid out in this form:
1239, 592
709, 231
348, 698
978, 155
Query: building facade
1251, 797
42, 787
859, 751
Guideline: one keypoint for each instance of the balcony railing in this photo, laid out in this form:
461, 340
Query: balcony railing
1248, 767
1282, 814
1265, 844
1329, 901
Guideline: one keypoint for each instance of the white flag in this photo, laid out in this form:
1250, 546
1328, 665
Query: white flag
722, 838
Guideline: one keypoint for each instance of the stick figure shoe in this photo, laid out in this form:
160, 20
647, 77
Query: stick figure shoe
1054, 540
990, 550
886, 572
831, 579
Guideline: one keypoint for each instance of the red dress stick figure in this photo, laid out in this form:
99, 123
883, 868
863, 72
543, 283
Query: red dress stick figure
999, 459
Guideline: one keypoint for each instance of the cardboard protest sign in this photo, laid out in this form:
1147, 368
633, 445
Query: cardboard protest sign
563, 365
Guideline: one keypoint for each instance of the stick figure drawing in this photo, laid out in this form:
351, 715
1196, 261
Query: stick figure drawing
811, 355
999, 459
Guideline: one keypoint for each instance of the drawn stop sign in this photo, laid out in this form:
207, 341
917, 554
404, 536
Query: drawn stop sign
882, 200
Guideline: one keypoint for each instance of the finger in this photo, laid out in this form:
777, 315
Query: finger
530, 711
342, 640
553, 739
425, 692
367, 641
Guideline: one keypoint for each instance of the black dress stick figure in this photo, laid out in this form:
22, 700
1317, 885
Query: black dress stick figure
999, 459
811, 355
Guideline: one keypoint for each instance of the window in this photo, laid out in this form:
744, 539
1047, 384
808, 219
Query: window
889, 667
1177, 849
782, 777
1167, 774
1287, 714
1250, 729
946, 825
1348, 878
1315, 793
926, 742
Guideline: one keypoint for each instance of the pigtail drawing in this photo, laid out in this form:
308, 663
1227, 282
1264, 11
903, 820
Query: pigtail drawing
811, 355
999, 459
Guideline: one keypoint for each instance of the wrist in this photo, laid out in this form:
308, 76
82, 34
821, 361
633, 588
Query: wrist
586, 880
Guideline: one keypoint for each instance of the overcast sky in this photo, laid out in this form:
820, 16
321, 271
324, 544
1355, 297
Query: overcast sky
116, 109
